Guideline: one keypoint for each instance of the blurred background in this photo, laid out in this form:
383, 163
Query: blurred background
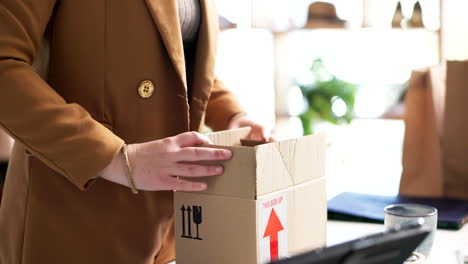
337, 66
341, 67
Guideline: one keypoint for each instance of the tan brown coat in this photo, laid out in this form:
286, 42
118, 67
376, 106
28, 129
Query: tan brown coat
70, 124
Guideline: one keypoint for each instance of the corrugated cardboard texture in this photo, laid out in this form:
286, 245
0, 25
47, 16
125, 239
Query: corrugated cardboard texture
238, 179
266, 168
229, 225
287, 163
229, 137
307, 216
228, 230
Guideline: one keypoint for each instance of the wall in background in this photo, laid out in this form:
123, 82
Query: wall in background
245, 65
454, 29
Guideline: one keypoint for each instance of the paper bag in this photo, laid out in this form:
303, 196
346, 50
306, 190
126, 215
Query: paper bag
455, 131
436, 124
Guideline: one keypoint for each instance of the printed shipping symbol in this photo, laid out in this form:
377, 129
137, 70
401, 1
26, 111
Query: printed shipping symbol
272, 229
197, 220
183, 222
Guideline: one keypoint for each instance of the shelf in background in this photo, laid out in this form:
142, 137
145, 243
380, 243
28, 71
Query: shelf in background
378, 61
362, 29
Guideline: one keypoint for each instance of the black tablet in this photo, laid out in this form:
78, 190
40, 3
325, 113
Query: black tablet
390, 247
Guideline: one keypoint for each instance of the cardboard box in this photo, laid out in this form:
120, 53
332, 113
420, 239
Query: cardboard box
269, 203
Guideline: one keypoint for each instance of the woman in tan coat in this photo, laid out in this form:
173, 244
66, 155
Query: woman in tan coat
109, 74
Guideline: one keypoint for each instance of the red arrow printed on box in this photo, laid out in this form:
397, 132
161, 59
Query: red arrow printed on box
272, 229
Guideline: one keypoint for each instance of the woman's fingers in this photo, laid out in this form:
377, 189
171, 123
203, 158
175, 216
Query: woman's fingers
199, 154
191, 139
184, 185
273, 139
192, 170
259, 133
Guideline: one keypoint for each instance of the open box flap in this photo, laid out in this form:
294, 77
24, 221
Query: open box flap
229, 137
266, 168
238, 179
290, 162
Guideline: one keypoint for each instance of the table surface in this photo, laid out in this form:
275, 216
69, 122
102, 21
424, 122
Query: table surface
443, 251
365, 157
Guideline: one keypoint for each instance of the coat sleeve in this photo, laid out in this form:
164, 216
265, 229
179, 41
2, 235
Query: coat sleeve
222, 105
63, 136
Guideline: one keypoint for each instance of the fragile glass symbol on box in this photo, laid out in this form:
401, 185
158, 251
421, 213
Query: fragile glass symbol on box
197, 220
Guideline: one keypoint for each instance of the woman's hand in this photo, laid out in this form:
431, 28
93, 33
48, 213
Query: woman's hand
6, 144
155, 165
259, 132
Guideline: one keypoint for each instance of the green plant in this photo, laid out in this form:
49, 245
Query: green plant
323, 96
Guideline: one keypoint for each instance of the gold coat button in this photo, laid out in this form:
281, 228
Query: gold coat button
146, 89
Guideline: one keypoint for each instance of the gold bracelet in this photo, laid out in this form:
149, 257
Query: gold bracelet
128, 169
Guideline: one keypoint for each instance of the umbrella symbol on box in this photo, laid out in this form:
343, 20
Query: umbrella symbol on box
197, 220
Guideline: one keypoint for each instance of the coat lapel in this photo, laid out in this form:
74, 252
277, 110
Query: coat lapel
166, 19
